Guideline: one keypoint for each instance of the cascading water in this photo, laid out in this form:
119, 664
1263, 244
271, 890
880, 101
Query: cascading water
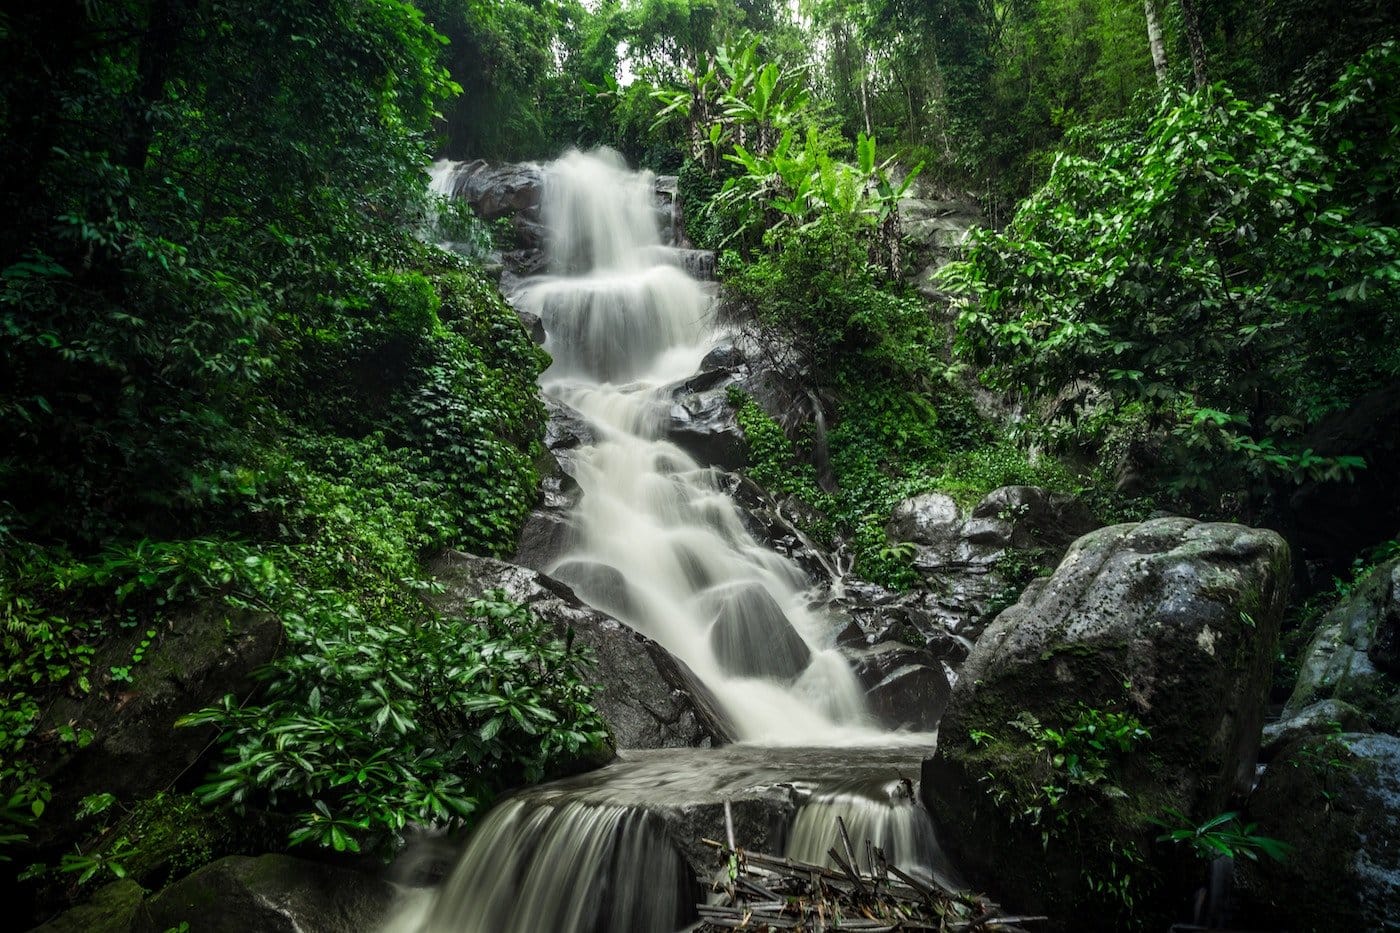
885, 815
658, 544
622, 324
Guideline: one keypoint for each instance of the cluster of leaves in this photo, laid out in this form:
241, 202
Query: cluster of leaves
1226, 268
373, 725
1078, 758
1061, 779
1223, 834
888, 443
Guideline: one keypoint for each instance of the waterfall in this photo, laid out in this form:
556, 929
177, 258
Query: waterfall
622, 323
660, 545
887, 816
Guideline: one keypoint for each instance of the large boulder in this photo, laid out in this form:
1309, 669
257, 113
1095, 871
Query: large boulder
751, 635
702, 422
499, 190
1171, 622
649, 698
1336, 801
270, 894
1355, 654
906, 687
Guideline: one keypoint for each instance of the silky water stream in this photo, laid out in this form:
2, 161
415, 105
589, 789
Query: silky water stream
658, 544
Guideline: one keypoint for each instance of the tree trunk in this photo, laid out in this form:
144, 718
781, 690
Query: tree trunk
1191, 23
1154, 41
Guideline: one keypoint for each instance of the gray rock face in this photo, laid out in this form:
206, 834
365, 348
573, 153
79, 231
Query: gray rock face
959, 554
649, 698
499, 190
752, 636
1172, 620
1353, 656
907, 687
1322, 718
1029, 516
1336, 801
933, 231
933, 519
702, 422
548, 533
270, 894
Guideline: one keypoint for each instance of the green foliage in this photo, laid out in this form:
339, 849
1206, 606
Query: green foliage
1220, 835
375, 724
1221, 269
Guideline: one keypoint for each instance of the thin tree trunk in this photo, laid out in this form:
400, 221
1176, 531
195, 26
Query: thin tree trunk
1154, 41
1191, 22
865, 99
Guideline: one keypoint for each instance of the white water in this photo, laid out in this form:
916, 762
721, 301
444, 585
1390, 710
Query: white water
622, 324
659, 545
887, 817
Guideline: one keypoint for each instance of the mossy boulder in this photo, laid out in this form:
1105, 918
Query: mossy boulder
270, 894
1336, 801
196, 658
1355, 654
1171, 624
114, 908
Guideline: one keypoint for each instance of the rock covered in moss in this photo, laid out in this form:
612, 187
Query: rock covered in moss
1172, 623
270, 894
1355, 655
1336, 801
114, 908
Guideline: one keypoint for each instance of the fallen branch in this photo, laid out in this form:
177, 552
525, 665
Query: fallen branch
769, 892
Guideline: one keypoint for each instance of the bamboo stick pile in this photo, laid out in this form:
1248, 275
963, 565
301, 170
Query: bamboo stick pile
763, 893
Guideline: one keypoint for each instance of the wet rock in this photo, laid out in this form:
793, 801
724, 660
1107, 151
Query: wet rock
533, 324
752, 636
602, 586
522, 263
933, 519
498, 190
114, 908
1171, 620
726, 356
566, 428
529, 233
1325, 717
906, 687
270, 894
545, 537
649, 698
1353, 655
703, 423
1336, 801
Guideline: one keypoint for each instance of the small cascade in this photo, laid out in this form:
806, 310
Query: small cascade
565, 866
886, 815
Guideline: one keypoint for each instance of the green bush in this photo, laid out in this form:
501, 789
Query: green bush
374, 724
